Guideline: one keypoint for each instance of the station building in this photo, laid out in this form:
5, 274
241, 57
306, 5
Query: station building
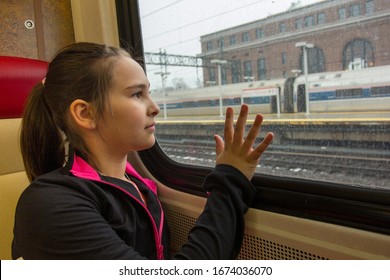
336, 35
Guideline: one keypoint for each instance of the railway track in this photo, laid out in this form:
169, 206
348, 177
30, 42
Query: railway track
354, 168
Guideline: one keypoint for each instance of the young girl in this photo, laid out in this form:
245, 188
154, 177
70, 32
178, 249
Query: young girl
85, 201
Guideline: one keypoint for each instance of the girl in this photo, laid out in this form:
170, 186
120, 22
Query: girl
85, 201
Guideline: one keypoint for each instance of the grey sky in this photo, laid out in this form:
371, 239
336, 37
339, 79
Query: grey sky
177, 25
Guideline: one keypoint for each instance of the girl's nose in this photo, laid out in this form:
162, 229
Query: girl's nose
154, 108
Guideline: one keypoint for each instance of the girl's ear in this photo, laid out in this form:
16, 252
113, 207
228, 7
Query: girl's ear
82, 114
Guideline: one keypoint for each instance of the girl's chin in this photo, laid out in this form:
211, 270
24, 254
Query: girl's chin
148, 145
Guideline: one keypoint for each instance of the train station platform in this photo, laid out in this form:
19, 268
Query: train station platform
331, 117
367, 131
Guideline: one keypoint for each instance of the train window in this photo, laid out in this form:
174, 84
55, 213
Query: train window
349, 93
327, 100
385, 91
318, 133
328, 104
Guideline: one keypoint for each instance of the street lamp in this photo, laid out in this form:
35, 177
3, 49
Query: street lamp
296, 72
249, 78
304, 47
219, 62
163, 78
211, 83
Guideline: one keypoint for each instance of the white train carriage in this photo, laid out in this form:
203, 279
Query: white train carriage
263, 96
345, 91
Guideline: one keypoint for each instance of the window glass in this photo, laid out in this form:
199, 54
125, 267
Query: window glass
342, 13
355, 10
236, 71
282, 27
358, 54
284, 58
221, 43
324, 91
247, 70
245, 37
321, 18
259, 33
309, 21
209, 46
212, 74
261, 68
369, 6
233, 39
298, 23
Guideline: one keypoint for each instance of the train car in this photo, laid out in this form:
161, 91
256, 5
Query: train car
359, 90
329, 92
264, 96
321, 189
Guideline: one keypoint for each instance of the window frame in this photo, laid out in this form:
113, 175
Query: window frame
261, 69
342, 13
259, 33
282, 27
248, 71
353, 48
284, 57
298, 23
370, 7
245, 37
235, 68
212, 74
355, 10
209, 46
366, 209
321, 18
233, 39
309, 21
221, 43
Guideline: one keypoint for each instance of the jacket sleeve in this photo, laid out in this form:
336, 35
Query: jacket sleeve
219, 230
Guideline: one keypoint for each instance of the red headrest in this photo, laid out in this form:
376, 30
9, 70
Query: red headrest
17, 78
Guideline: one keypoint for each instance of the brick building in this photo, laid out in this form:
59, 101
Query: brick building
344, 34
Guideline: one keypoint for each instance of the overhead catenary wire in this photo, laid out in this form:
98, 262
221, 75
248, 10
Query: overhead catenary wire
160, 9
202, 20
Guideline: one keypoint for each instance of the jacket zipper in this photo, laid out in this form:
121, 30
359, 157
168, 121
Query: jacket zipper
157, 232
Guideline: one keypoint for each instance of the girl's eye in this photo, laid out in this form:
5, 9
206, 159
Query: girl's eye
137, 94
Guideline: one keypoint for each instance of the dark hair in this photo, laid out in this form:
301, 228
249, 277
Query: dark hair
79, 71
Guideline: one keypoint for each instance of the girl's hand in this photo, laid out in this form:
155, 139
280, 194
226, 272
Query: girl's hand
237, 151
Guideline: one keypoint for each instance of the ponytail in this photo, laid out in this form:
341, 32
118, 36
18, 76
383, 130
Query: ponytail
41, 142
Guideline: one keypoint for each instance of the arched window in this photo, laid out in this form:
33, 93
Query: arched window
358, 54
315, 60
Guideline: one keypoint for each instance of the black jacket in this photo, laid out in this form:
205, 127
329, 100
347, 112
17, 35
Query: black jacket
75, 213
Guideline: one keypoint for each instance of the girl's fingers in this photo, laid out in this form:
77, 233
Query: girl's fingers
258, 151
253, 133
219, 145
239, 130
228, 130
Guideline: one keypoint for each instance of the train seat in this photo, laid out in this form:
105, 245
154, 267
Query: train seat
17, 77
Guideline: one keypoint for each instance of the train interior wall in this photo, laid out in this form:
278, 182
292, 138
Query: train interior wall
39, 28
35, 28
275, 236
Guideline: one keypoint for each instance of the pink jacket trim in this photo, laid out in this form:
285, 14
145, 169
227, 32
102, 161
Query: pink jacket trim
82, 169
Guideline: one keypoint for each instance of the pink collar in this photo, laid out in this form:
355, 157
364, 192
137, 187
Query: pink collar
82, 169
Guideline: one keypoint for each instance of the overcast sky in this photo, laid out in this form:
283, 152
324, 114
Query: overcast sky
177, 25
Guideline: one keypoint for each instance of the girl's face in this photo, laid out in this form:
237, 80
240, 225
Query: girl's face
129, 125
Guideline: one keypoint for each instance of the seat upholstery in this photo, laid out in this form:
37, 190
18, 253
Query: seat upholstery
17, 77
